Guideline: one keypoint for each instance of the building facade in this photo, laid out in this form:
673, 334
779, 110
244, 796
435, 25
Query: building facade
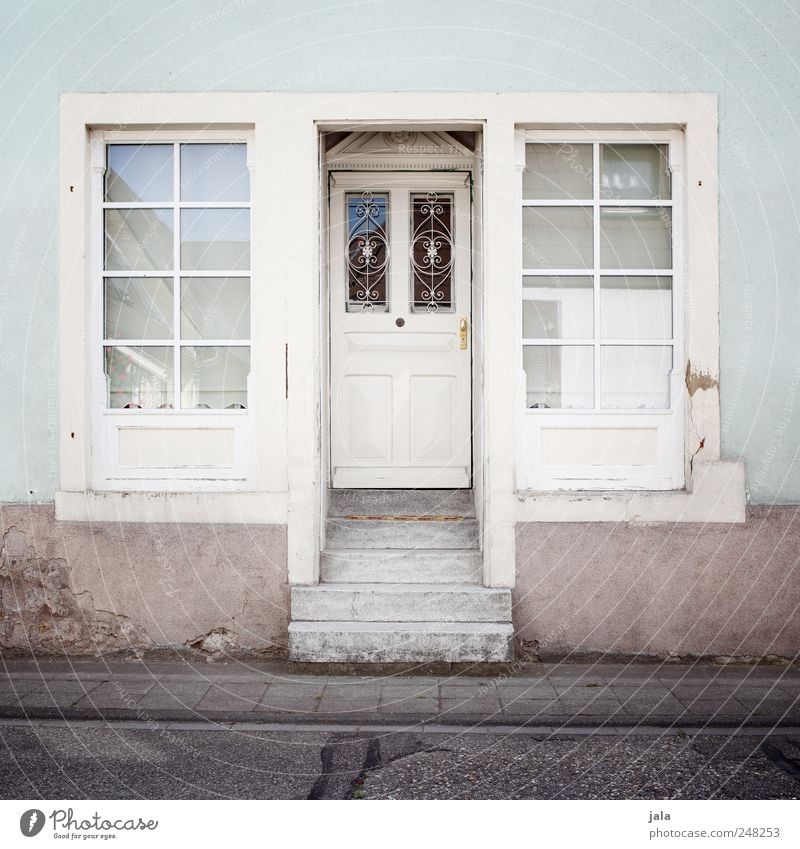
392, 374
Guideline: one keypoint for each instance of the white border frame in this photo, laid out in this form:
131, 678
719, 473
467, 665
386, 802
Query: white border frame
289, 479
106, 470
669, 472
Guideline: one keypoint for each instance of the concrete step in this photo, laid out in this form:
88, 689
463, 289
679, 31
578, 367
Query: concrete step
401, 502
400, 603
402, 566
400, 642
357, 533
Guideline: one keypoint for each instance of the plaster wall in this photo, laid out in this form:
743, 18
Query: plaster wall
742, 52
89, 588
683, 589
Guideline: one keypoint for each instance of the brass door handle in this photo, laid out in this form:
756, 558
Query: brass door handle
462, 334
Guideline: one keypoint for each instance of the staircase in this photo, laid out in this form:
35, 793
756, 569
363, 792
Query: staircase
400, 582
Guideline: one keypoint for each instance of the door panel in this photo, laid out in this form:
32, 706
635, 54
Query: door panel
400, 396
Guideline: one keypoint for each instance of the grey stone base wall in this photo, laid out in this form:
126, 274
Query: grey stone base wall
91, 588
661, 590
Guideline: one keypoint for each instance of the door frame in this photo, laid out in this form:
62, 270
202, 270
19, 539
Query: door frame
454, 181
430, 162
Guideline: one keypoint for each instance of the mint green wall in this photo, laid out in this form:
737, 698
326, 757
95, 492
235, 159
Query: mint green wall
748, 52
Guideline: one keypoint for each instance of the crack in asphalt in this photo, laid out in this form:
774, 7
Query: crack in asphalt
347, 761
791, 766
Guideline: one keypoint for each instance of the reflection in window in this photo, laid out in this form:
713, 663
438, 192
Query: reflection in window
367, 252
631, 306
139, 377
214, 378
147, 289
432, 252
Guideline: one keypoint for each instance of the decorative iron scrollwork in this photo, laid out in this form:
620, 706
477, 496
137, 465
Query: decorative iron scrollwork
367, 251
432, 252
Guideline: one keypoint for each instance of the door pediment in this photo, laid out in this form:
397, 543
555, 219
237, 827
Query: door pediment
400, 149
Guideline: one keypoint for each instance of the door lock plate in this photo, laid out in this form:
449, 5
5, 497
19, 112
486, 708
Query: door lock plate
462, 334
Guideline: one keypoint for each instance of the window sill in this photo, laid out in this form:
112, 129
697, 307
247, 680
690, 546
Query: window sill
261, 508
717, 495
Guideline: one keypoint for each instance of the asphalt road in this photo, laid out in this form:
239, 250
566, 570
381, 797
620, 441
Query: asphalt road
83, 763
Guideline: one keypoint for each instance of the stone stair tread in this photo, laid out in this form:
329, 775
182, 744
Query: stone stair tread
401, 501
407, 627
345, 587
393, 535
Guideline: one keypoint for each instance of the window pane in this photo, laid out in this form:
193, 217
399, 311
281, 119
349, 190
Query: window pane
138, 308
139, 377
367, 252
216, 239
215, 308
634, 171
138, 239
635, 237
559, 237
432, 252
557, 171
558, 307
635, 377
214, 172
138, 172
214, 378
636, 307
559, 376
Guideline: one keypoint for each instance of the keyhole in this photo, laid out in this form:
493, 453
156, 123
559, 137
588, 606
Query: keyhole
400, 322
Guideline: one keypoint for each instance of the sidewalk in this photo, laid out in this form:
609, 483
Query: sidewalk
547, 695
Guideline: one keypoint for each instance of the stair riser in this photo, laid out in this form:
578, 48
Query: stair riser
406, 568
387, 535
365, 647
310, 604
400, 502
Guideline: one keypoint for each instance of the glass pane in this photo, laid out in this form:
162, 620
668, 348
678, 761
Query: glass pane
635, 237
214, 172
138, 172
432, 252
214, 378
139, 377
557, 237
559, 376
138, 239
635, 377
215, 307
561, 308
216, 239
634, 171
557, 171
636, 307
138, 308
367, 252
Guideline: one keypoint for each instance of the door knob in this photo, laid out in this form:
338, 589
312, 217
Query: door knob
462, 333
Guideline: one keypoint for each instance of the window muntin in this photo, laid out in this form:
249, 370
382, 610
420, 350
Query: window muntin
176, 276
597, 256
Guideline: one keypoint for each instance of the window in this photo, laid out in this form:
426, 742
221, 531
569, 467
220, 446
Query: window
597, 276
176, 276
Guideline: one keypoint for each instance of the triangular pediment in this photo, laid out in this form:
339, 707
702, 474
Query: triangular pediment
399, 149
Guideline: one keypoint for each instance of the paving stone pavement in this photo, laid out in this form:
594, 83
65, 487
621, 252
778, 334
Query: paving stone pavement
687, 695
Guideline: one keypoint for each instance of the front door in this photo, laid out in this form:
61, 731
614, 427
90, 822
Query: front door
400, 330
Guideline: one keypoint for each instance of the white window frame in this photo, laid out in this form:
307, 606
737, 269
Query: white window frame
668, 470
109, 472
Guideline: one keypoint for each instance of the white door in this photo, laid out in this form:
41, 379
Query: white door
400, 325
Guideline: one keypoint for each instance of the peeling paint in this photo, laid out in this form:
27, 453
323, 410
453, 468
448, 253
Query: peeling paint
40, 612
699, 380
